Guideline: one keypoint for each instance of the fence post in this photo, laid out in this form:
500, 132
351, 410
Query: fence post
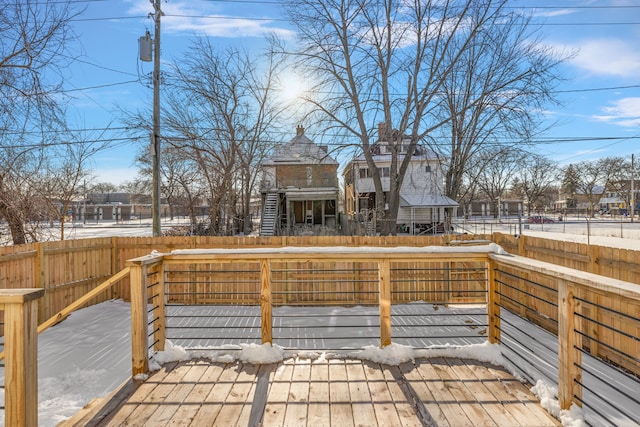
40, 278
116, 292
265, 301
569, 357
139, 322
493, 304
21, 355
384, 289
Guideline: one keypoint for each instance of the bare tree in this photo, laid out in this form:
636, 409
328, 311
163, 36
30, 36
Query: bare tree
592, 181
391, 61
535, 178
495, 93
221, 112
496, 172
35, 41
617, 177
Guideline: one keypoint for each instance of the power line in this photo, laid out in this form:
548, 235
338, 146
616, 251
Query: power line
96, 87
121, 141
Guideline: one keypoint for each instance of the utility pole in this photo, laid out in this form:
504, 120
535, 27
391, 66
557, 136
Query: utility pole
633, 190
155, 139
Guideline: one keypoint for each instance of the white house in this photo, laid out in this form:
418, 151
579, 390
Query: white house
423, 207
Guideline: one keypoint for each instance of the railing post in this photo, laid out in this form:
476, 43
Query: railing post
139, 320
160, 322
21, 355
384, 289
569, 357
493, 304
265, 301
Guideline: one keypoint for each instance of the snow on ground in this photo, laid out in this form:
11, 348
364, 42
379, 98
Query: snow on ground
86, 356
620, 233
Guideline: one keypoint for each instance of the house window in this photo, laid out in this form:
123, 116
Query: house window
364, 173
384, 172
309, 176
427, 169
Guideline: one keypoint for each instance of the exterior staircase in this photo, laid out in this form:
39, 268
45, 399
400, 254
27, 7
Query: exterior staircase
269, 215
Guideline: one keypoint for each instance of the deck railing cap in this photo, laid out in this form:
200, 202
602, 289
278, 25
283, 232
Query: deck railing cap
346, 250
151, 258
582, 278
12, 296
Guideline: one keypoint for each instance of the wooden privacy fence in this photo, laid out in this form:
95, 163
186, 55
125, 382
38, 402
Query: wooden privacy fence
622, 264
68, 269
65, 270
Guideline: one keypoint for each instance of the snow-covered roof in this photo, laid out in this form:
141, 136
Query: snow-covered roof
425, 201
424, 154
611, 200
300, 151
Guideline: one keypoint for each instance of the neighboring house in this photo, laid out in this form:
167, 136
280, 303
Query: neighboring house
423, 207
299, 189
617, 200
580, 203
484, 207
113, 207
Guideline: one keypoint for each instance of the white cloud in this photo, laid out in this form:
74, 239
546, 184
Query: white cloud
623, 112
608, 57
553, 13
207, 18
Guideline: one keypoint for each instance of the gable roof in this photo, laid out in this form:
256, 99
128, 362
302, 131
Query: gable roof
300, 151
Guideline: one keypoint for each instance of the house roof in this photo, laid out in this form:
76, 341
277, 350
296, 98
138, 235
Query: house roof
426, 201
299, 151
422, 153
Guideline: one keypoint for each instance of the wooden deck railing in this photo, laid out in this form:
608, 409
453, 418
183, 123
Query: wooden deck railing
579, 329
590, 314
20, 354
21, 361
72, 268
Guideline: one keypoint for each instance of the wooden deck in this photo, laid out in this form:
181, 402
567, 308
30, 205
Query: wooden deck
334, 392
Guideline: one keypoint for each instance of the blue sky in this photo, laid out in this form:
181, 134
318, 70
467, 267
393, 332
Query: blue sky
601, 94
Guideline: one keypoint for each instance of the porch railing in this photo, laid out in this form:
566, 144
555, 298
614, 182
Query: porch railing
591, 318
588, 314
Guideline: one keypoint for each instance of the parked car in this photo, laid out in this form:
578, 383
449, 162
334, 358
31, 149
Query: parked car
539, 220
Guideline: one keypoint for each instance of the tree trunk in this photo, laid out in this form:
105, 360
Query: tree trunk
16, 226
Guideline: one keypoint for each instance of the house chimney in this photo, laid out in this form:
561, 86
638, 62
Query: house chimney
299, 130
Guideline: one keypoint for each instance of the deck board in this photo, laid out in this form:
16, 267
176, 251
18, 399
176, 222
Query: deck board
319, 412
334, 392
192, 402
383, 404
339, 396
